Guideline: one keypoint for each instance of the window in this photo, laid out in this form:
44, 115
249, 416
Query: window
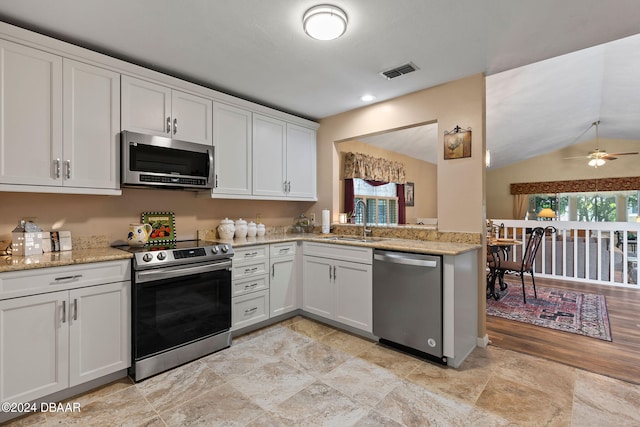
381, 200
587, 207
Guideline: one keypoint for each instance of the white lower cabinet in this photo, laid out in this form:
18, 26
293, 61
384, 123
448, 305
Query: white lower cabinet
337, 289
283, 281
55, 340
250, 283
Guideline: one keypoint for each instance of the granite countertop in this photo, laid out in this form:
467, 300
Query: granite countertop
396, 244
58, 259
83, 256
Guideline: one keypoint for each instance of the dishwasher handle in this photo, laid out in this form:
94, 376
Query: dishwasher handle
400, 259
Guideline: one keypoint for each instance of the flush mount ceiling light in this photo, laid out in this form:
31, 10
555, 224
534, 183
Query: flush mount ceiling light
324, 22
367, 98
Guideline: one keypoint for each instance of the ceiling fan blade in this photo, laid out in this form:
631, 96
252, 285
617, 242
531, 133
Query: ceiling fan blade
608, 157
576, 158
622, 154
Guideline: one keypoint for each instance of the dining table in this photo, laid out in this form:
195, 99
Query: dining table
497, 249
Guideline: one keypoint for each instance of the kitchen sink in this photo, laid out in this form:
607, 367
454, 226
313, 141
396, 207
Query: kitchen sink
353, 239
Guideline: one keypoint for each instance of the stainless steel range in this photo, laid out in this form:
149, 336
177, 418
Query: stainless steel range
181, 304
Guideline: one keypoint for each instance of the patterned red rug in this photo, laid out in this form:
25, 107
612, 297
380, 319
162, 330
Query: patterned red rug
563, 310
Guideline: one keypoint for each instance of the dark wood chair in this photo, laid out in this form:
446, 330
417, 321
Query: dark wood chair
526, 265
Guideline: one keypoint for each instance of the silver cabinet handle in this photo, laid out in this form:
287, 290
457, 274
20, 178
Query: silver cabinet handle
273, 270
334, 273
329, 272
64, 311
175, 126
250, 270
75, 309
253, 285
65, 278
285, 186
168, 124
289, 188
57, 167
250, 254
216, 184
250, 310
68, 167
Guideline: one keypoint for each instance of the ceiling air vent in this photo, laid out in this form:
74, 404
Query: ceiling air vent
399, 71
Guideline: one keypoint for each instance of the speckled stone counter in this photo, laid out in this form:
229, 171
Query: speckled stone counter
57, 259
407, 245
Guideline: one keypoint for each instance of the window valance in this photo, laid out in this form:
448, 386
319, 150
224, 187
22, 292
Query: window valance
358, 165
577, 186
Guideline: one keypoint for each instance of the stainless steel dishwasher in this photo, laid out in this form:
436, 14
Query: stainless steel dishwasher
407, 302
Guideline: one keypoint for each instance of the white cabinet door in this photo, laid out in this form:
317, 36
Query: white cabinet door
91, 113
354, 295
191, 118
30, 116
269, 156
146, 107
283, 296
99, 327
317, 286
301, 162
34, 339
232, 139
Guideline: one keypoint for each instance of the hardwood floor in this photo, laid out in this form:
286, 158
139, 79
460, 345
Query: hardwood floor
618, 359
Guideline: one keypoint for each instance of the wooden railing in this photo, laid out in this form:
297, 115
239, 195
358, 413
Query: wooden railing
601, 252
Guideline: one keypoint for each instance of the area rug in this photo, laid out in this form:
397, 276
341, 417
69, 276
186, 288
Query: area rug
563, 310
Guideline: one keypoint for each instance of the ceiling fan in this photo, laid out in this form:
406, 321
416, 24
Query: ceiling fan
598, 157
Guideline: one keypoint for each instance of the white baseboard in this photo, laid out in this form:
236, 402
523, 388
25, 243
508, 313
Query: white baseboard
483, 341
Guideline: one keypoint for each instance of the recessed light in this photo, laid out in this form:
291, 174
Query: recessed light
367, 98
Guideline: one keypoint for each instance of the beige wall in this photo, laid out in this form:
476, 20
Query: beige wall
460, 182
110, 216
423, 174
554, 167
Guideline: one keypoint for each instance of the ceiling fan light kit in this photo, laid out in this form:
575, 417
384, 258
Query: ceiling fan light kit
599, 157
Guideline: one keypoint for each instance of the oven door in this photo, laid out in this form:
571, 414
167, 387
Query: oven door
177, 305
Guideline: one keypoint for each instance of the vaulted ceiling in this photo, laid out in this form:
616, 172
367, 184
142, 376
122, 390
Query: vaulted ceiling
257, 50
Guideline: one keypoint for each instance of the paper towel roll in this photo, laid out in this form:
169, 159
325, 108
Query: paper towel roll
326, 221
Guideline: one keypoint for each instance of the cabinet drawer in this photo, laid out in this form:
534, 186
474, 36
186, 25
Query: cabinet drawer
252, 253
249, 309
282, 249
341, 252
34, 281
242, 287
249, 269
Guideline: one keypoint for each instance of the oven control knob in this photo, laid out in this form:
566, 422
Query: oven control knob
214, 250
161, 255
147, 257
225, 248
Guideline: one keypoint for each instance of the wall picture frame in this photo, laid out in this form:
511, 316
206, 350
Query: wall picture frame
409, 194
163, 225
457, 143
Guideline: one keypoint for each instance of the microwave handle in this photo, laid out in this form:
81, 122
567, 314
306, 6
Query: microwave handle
168, 125
212, 175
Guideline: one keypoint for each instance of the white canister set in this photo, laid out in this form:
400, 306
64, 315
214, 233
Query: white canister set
227, 229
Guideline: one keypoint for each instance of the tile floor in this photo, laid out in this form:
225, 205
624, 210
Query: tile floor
303, 373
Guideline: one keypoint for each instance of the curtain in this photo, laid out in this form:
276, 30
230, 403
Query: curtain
358, 165
520, 205
402, 209
348, 196
577, 186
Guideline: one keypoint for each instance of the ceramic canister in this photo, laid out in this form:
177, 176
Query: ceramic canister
241, 229
260, 230
226, 229
252, 229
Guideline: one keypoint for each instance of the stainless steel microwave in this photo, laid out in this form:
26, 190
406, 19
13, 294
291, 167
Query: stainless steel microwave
164, 162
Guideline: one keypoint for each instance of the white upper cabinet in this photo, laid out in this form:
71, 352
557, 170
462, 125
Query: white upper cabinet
158, 110
301, 162
91, 112
30, 116
284, 159
269, 154
232, 136
59, 123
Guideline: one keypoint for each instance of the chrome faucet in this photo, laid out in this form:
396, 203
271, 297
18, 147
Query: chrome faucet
365, 230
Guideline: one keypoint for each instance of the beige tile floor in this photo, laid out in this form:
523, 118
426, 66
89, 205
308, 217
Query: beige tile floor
303, 373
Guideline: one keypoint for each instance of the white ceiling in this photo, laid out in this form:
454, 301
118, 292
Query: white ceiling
257, 50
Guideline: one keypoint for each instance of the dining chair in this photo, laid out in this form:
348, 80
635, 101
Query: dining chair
526, 265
